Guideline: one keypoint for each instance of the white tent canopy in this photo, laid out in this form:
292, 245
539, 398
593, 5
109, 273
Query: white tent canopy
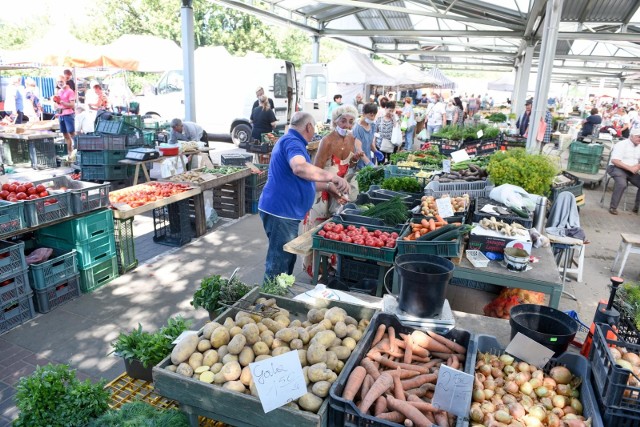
507, 82
354, 67
142, 53
407, 76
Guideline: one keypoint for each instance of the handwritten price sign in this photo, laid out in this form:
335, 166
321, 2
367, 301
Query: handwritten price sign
279, 380
453, 391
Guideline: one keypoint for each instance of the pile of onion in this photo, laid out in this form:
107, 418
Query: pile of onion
508, 393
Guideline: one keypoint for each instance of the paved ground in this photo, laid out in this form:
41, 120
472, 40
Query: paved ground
80, 332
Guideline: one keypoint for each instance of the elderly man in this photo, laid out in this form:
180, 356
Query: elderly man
624, 167
259, 93
289, 192
186, 131
523, 122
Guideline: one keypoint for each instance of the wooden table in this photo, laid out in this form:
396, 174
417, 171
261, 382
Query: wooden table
143, 163
128, 213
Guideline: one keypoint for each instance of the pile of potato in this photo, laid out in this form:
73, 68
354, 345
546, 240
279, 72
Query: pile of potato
222, 354
429, 207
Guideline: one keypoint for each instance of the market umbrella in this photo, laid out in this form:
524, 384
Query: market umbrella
441, 80
135, 52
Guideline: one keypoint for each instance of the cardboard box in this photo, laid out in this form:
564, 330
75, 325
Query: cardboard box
493, 241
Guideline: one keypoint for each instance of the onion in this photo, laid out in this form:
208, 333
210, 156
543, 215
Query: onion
496, 373
531, 421
524, 367
489, 384
558, 401
541, 391
538, 412
500, 391
624, 364
569, 410
631, 358
509, 369
558, 411
615, 353
516, 410
553, 420
526, 402
509, 398
485, 370
547, 403
488, 393
511, 387
577, 405
549, 383
507, 359
478, 396
497, 400
563, 390
499, 382
521, 378
476, 414
535, 382
526, 388
560, 374
480, 377
502, 416
538, 374
488, 407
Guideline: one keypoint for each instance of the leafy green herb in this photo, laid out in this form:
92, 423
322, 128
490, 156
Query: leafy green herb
368, 176
533, 172
392, 211
52, 396
140, 414
214, 291
278, 285
223, 170
406, 184
497, 118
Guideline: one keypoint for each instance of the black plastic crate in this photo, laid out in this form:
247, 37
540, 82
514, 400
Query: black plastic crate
125, 247
55, 295
258, 147
235, 159
45, 153
478, 215
171, 224
343, 412
352, 270
15, 312
97, 142
15, 151
574, 186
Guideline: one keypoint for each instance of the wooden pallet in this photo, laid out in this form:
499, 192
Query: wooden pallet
229, 199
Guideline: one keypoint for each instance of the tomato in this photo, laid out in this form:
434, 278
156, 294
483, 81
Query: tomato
52, 201
351, 227
335, 236
31, 190
12, 199
385, 233
369, 242
40, 188
21, 196
28, 184
12, 194
12, 188
383, 238
394, 235
4, 194
379, 243
347, 239
363, 230
32, 197
43, 193
21, 189
377, 233
338, 228
329, 226
390, 244
358, 241
322, 233
6, 186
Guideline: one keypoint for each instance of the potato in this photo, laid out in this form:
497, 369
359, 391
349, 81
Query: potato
332, 360
219, 378
195, 360
210, 357
305, 374
184, 369
253, 389
236, 345
314, 315
351, 328
262, 357
282, 320
303, 334
204, 345
349, 342
315, 330
201, 369
229, 358
246, 356
327, 324
335, 315
362, 324
287, 334
324, 338
280, 350
271, 302
251, 333
336, 342
171, 368
260, 348
220, 337
339, 367
296, 344
302, 355
267, 337
283, 312
316, 353
235, 331
341, 351
245, 376
356, 334
245, 321
223, 351
184, 349
278, 343
272, 325
241, 314
350, 321
262, 327
321, 388
216, 367
229, 323
310, 402
306, 324
340, 329
331, 376
261, 300
295, 324
207, 377
209, 328
293, 405
231, 371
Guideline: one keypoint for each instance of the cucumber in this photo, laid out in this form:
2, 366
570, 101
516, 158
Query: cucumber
435, 233
453, 234
522, 213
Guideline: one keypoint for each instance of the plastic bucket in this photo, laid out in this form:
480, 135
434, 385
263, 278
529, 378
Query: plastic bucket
545, 325
423, 281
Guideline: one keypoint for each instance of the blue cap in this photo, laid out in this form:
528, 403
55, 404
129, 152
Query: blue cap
379, 156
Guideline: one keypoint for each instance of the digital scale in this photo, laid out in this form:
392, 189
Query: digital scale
442, 323
142, 154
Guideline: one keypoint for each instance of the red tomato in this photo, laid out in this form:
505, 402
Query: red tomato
390, 244
351, 227
32, 197
379, 243
338, 228
358, 241
347, 239
21, 189
44, 193
377, 233
31, 190
394, 235
6, 186
21, 196
28, 184
12, 199
4, 194
12, 194
335, 236
322, 233
363, 230
383, 238
40, 188
52, 201
12, 188
329, 226
369, 242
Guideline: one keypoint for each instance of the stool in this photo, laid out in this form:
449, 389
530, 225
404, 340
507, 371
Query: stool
607, 178
564, 249
630, 244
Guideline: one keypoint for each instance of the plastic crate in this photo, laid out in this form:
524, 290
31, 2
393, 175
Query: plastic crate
125, 247
583, 163
352, 270
130, 119
477, 215
488, 147
45, 153
344, 412
98, 275
259, 147
89, 252
75, 230
369, 253
444, 249
116, 126
90, 197
15, 312
38, 212
394, 171
12, 259
589, 149
14, 286
94, 142
105, 173
61, 149
354, 216
61, 266
257, 179
54, 296
11, 217
235, 159
251, 206
15, 151
473, 189
575, 188
577, 364
252, 193
100, 158
171, 224
149, 137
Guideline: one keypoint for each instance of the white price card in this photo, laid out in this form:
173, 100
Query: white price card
279, 380
532, 352
460, 156
182, 335
445, 208
446, 166
480, 133
453, 391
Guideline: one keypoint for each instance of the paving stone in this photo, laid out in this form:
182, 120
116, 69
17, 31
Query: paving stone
12, 373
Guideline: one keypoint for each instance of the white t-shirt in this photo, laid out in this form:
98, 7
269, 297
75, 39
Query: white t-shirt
435, 114
627, 152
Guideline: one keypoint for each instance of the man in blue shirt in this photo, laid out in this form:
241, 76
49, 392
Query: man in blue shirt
289, 192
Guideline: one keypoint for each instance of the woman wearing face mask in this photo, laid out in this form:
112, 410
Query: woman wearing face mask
450, 111
384, 129
364, 131
338, 152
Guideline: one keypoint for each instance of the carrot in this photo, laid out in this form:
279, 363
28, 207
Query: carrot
380, 407
392, 338
398, 391
432, 224
421, 404
404, 374
419, 380
421, 391
453, 346
420, 359
371, 369
354, 382
408, 352
453, 362
445, 356
379, 335
442, 419
424, 222
416, 234
366, 385
408, 423
425, 341
432, 363
379, 387
415, 349
394, 416
394, 365
430, 417
418, 418
439, 218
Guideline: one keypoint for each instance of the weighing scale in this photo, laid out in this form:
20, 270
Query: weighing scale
142, 154
442, 323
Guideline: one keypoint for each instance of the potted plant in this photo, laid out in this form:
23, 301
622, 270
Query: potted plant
141, 350
215, 293
533, 172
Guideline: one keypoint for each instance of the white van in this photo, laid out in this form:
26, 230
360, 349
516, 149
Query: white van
225, 90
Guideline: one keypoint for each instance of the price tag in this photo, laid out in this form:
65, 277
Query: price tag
460, 156
182, 335
279, 380
446, 166
207, 176
445, 208
532, 352
480, 133
453, 391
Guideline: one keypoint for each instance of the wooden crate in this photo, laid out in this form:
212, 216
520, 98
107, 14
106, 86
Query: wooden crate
228, 200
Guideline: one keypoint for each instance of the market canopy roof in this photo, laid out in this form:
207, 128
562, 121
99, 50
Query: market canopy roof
441, 80
352, 66
137, 52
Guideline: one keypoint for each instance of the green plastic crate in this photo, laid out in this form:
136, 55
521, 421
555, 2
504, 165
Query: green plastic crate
75, 230
90, 252
105, 172
257, 179
57, 294
591, 149
583, 163
111, 127
100, 274
149, 137
125, 247
394, 171
130, 119
100, 158
443, 249
61, 266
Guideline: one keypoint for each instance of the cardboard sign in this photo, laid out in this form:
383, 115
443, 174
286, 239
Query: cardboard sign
453, 391
182, 335
445, 208
446, 166
460, 156
532, 352
480, 133
279, 380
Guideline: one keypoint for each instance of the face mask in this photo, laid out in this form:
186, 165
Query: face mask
368, 120
60, 85
341, 132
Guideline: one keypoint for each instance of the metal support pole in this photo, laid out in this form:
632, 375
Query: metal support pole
315, 49
188, 43
545, 69
523, 83
620, 86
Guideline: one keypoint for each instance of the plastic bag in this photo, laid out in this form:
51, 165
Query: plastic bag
404, 124
510, 297
396, 136
422, 136
514, 196
209, 212
386, 146
39, 255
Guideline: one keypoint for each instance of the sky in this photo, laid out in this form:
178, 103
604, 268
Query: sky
58, 10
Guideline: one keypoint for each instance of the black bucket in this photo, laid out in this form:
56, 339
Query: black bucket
423, 281
550, 327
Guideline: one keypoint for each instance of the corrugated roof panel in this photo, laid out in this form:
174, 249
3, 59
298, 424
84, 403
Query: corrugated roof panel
597, 10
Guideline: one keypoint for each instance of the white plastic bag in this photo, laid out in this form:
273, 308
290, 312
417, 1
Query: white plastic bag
386, 146
514, 196
396, 136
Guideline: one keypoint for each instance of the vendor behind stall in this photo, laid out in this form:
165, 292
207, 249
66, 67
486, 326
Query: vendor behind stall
186, 131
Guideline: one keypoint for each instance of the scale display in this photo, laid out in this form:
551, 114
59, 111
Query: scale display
142, 154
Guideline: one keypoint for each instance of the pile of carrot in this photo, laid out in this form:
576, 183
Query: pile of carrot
425, 226
396, 380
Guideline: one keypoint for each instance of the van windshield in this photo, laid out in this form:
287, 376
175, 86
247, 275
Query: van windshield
173, 81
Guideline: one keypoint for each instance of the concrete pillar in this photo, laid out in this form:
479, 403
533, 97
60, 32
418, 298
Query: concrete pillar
620, 86
523, 83
188, 43
315, 49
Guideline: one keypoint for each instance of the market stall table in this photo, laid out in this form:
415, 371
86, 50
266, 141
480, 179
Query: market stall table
143, 163
128, 213
38, 146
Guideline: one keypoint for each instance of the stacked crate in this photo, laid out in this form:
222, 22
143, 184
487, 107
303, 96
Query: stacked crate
16, 304
585, 158
92, 236
253, 186
98, 155
55, 281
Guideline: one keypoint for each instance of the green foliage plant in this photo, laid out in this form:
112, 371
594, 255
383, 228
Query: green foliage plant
533, 172
52, 396
368, 176
215, 292
140, 414
278, 285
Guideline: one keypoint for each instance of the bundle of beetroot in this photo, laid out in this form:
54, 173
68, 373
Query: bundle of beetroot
397, 378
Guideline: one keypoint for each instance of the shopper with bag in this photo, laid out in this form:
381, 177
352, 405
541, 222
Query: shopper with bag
437, 115
385, 125
408, 123
365, 131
